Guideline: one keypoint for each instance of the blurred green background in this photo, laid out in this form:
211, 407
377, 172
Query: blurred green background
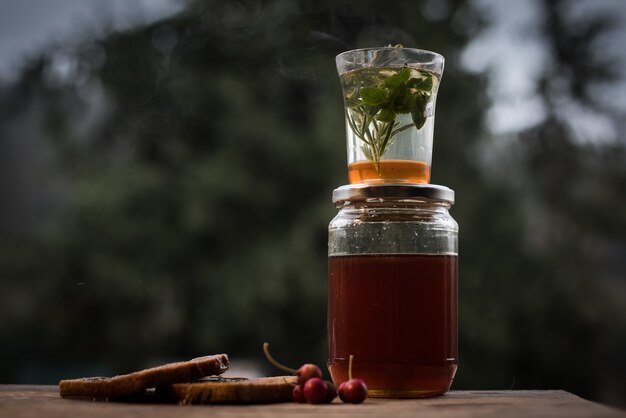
165, 188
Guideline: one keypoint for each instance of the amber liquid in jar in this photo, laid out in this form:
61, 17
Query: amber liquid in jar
396, 313
391, 171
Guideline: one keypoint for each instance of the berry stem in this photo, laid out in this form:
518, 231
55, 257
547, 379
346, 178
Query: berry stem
350, 367
266, 350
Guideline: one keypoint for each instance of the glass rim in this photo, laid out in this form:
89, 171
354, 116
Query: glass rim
366, 58
401, 48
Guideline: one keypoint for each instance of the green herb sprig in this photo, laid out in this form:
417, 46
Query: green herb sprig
372, 114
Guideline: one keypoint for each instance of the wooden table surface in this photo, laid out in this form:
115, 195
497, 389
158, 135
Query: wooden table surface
17, 401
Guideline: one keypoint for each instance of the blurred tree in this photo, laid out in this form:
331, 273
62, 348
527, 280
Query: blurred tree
573, 191
546, 282
196, 158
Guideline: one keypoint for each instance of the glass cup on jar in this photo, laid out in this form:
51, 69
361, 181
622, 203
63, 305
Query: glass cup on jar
389, 96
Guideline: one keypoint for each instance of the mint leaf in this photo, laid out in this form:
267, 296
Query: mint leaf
418, 118
386, 115
408, 103
423, 84
373, 96
398, 79
403, 100
418, 114
352, 102
370, 110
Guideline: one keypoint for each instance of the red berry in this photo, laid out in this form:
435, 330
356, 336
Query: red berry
341, 390
353, 391
304, 373
315, 390
308, 371
331, 391
298, 394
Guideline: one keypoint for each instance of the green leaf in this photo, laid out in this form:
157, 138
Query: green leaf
350, 102
373, 96
418, 114
404, 102
386, 115
409, 102
423, 84
371, 110
397, 95
419, 119
398, 79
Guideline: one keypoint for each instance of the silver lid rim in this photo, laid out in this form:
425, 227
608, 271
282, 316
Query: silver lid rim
364, 192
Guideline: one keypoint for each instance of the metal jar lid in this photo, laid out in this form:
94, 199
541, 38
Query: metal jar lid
375, 192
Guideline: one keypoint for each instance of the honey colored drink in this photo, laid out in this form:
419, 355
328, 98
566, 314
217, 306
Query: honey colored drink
391, 171
389, 123
396, 313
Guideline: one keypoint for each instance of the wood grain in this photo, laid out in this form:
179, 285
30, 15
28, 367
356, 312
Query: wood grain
23, 401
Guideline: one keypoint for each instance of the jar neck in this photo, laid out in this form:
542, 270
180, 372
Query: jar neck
416, 204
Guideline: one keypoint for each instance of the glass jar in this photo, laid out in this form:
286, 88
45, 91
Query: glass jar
389, 96
392, 288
